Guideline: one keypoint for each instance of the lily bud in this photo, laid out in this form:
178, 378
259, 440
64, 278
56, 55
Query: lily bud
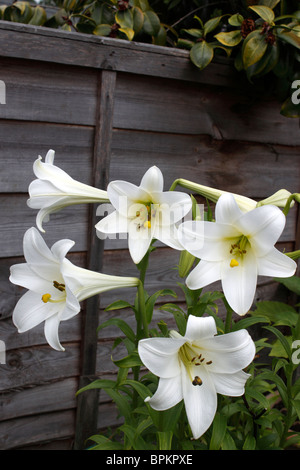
186, 262
278, 199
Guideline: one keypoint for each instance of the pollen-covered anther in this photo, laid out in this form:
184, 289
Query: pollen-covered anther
197, 381
59, 286
147, 224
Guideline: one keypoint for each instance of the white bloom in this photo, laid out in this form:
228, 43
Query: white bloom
145, 212
197, 366
54, 189
55, 286
236, 249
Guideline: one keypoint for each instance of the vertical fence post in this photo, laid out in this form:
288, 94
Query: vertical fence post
88, 402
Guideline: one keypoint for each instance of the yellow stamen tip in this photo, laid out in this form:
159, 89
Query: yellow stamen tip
46, 298
147, 224
233, 263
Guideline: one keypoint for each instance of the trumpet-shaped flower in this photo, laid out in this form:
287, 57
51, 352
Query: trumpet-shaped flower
145, 212
55, 286
54, 189
236, 249
196, 367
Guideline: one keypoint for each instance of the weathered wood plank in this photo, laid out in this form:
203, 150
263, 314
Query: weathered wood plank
22, 142
86, 422
48, 92
163, 105
41, 428
17, 217
107, 54
253, 169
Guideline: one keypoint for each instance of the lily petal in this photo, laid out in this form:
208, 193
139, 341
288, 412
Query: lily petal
205, 273
232, 385
227, 210
239, 283
113, 223
152, 180
168, 394
160, 356
51, 332
205, 240
263, 226
229, 353
198, 328
200, 402
276, 264
30, 311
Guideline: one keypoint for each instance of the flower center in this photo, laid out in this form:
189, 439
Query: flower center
191, 357
238, 250
143, 214
47, 297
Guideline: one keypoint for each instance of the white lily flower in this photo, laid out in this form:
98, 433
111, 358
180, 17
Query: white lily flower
145, 212
236, 249
54, 189
55, 286
197, 366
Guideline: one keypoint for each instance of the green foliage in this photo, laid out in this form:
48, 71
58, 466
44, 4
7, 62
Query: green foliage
261, 37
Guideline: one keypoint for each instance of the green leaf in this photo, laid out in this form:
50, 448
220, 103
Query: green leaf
281, 338
201, 54
279, 313
236, 20
179, 316
129, 33
117, 305
132, 360
250, 443
291, 283
194, 32
254, 47
231, 39
266, 63
39, 16
248, 321
138, 19
269, 3
150, 302
136, 442
266, 13
257, 396
151, 23
124, 19
218, 431
211, 24
103, 443
124, 327
278, 350
289, 37
102, 30
99, 383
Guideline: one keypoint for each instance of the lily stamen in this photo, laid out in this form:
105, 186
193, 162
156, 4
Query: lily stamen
47, 298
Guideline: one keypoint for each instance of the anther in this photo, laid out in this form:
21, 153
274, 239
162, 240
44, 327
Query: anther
147, 224
60, 287
197, 381
209, 362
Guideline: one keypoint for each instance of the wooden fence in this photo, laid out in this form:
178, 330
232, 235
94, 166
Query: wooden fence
111, 109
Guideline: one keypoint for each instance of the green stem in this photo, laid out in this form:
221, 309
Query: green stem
228, 319
142, 310
293, 254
